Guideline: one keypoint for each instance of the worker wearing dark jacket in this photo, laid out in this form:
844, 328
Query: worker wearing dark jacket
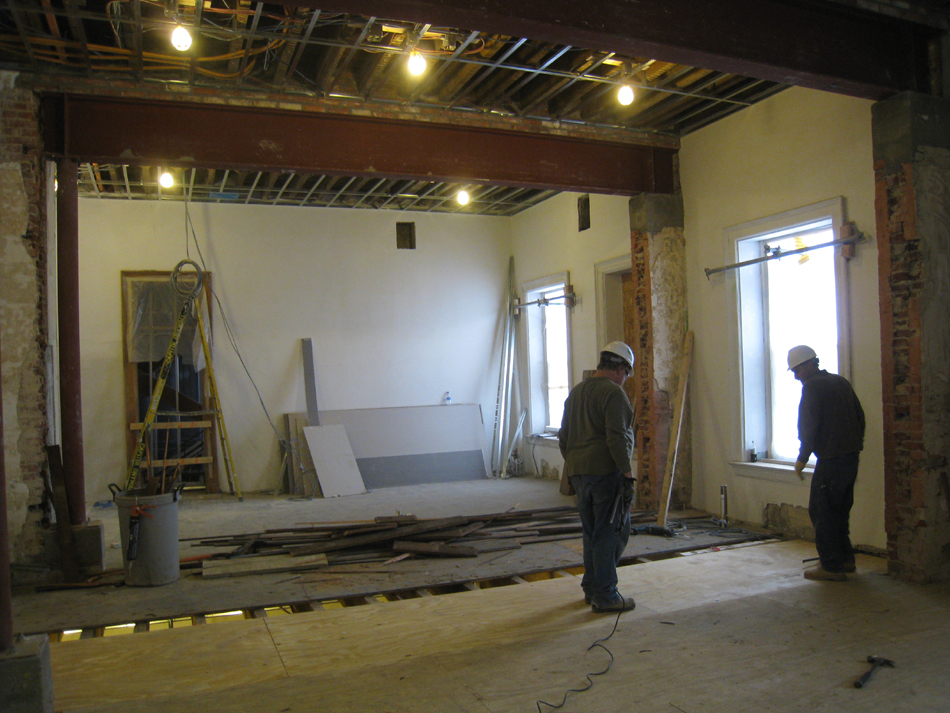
596, 440
830, 425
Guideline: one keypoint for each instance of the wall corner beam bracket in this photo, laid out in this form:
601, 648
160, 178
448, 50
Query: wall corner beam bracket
569, 298
852, 236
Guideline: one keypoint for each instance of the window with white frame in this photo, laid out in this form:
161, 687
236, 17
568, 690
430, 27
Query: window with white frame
548, 328
801, 298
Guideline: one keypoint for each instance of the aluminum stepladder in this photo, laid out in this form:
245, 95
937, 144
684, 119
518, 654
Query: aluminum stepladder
218, 413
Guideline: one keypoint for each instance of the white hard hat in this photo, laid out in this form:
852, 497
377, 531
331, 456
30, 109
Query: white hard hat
799, 355
621, 350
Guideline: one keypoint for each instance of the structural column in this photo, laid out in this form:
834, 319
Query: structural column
67, 220
912, 173
655, 329
6, 597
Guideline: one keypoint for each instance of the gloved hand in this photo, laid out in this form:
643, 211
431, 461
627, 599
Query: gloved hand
628, 491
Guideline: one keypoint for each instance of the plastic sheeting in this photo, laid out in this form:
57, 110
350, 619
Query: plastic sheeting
153, 307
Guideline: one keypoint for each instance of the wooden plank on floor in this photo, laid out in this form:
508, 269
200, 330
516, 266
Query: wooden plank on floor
259, 565
123, 668
388, 534
436, 549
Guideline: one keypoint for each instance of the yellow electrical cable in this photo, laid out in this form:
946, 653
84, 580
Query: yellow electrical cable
12, 45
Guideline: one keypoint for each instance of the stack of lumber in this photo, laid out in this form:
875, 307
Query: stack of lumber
385, 538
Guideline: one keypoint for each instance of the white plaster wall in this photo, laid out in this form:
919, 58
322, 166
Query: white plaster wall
389, 327
797, 148
545, 241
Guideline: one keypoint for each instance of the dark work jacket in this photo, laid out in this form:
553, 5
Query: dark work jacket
596, 436
830, 417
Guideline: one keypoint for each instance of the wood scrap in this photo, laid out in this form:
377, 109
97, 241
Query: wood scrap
371, 542
241, 566
438, 549
376, 537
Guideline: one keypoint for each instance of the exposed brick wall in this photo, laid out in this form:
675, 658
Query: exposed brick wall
655, 326
649, 413
23, 313
916, 487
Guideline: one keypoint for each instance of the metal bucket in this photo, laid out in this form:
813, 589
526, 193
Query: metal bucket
150, 554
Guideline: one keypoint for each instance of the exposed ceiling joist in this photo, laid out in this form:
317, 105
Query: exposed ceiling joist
820, 46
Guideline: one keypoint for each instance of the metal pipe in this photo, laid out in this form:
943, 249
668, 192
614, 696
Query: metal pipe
568, 298
6, 596
503, 381
844, 241
514, 440
70, 381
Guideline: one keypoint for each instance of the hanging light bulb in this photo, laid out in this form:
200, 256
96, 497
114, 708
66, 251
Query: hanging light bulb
181, 39
417, 63
625, 94
166, 180
462, 197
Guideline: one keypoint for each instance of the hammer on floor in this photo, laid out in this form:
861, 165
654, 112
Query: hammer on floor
875, 662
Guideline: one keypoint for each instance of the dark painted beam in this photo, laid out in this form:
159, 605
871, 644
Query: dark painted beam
70, 380
825, 46
86, 128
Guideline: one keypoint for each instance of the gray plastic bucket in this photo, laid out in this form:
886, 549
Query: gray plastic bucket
155, 559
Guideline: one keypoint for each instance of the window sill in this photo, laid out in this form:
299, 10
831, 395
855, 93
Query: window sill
545, 439
771, 470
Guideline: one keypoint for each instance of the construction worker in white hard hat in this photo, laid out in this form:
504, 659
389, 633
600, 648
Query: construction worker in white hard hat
830, 425
596, 440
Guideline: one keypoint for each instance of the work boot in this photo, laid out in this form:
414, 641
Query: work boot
617, 605
850, 568
819, 573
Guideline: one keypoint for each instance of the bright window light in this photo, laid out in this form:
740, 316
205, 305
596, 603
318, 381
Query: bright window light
801, 310
555, 356
548, 329
181, 39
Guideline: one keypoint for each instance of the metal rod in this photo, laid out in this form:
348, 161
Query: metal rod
503, 382
6, 596
568, 298
844, 241
514, 440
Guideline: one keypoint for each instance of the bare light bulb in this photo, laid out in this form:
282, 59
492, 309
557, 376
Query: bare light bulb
462, 197
625, 94
181, 39
417, 63
166, 180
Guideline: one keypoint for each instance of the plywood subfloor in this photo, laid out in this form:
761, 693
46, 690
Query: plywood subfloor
737, 630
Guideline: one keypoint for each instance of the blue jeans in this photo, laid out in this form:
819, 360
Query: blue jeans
604, 541
829, 506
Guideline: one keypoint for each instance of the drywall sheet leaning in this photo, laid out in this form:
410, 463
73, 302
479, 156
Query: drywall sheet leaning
333, 461
412, 445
